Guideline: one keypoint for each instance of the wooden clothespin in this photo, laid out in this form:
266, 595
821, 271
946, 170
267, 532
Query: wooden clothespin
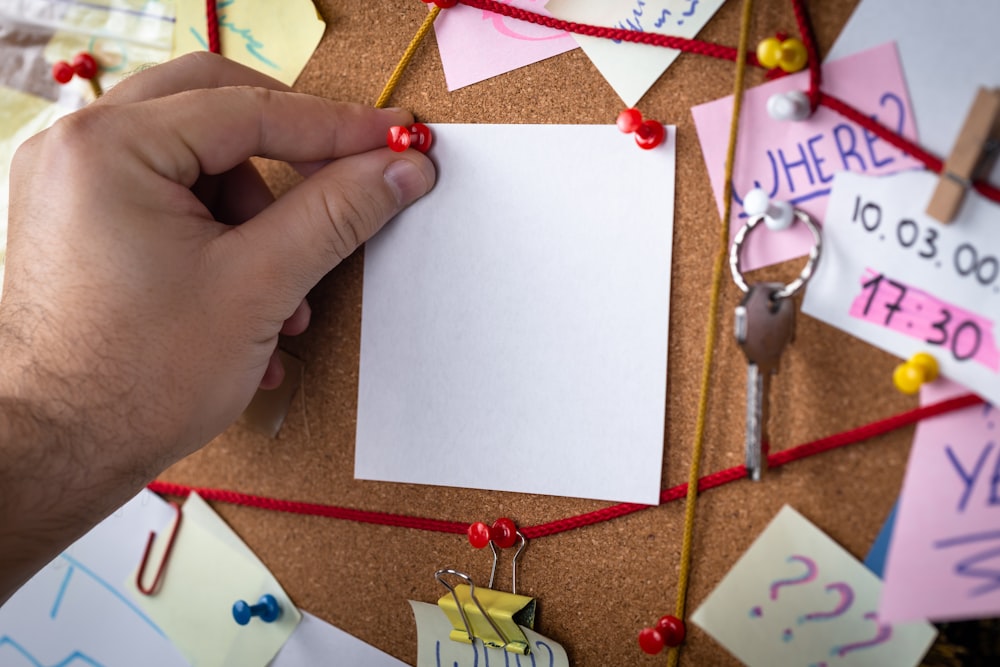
973, 153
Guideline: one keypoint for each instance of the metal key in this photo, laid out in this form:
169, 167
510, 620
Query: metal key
764, 326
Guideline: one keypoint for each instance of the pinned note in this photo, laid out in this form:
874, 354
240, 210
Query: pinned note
252, 32
898, 279
944, 558
796, 161
476, 44
208, 570
76, 610
435, 649
632, 68
317, 643
514, 321
796, 597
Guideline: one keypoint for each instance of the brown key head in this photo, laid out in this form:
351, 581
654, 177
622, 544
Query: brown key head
764, 325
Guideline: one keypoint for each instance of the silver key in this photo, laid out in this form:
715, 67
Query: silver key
764, 327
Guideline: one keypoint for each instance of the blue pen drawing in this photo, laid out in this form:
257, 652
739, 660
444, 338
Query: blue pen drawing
509, 659
980, 565
801, 173
254, 46
75, 659
158, 15
637, 18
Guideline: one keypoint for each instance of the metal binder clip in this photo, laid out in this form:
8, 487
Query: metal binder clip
493, 617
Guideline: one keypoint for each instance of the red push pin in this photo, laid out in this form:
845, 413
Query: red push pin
504, 533
648, 133
443, 4
418, 136
479, 534
84, 66
669, 631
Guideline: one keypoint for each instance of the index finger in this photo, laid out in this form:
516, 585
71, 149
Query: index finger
188, 72
211, 131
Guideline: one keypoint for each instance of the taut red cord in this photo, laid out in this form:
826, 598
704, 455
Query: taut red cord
707, 482
212, 19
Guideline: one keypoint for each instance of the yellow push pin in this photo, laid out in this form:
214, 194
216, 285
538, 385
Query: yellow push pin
788, 54
909, 375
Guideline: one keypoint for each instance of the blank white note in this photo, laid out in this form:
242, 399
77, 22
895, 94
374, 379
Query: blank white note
514, 323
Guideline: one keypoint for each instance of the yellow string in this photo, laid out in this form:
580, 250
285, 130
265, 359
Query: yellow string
397, 73
684, 575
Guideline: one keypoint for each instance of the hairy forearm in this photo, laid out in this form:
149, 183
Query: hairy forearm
57, 478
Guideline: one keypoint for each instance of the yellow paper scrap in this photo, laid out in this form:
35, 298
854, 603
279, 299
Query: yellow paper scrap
209, 569
276, 40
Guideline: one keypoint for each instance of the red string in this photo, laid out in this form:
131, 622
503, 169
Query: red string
707, 482
212, 16
809, 41
815, 93
619, 34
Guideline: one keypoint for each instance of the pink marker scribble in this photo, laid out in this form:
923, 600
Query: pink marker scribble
921, 315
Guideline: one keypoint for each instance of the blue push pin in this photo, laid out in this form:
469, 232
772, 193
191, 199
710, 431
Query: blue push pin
267, 609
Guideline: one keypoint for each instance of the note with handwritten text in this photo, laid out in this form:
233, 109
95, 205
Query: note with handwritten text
796, 161
900, 280
255, 33
944, 558
632, 68
436, 649
209, 569
476, 44
796, 597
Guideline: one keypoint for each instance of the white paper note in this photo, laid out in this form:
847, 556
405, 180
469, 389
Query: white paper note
902, 281
316, 642
76, 611
436, 649
796, 597
514, 323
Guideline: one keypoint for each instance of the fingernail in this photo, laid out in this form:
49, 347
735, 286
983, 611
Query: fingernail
407, 181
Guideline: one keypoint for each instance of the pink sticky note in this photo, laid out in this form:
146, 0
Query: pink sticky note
476, 44
795, 161
944, 558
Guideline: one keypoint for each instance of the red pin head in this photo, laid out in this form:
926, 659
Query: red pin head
504, 533
479, 534
671, 629
629, 120
650, 641
62, 72
443, 4
417, 136
650, 134
84, 65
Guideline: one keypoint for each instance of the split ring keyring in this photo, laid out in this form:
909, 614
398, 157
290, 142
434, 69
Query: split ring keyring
735, 260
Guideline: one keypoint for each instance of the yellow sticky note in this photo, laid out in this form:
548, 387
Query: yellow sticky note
796, 597
209, 569
278, 41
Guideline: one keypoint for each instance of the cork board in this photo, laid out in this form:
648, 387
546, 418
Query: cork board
596, 586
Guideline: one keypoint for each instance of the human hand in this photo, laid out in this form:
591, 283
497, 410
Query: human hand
132, 316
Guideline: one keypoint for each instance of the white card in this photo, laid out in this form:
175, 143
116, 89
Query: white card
514, 323
632, 68
902, 281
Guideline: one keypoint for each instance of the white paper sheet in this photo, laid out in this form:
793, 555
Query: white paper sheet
514, 322
317, 643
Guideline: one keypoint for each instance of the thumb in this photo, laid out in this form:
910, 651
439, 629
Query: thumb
297, 240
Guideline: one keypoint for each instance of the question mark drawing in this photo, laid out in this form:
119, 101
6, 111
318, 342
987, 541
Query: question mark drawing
804, 578
846, 600
884, 634
987, 409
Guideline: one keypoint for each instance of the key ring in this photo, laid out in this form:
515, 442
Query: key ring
791, 288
